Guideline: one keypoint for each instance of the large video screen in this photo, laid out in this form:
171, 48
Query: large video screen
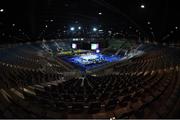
74, 45
94, 46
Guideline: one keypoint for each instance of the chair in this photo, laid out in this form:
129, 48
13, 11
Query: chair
94, 107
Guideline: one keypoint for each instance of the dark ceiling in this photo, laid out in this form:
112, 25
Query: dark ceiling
32, 15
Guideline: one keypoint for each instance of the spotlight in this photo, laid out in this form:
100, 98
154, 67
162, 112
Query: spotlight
97, 51
94, 29
72, 28
100, 13
142, 6
1, 10
79, 28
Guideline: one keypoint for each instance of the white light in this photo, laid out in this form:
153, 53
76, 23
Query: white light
100, 13
13, 25
74, 46
46, 26
75, 39
94, 29
1, 10
51, 20
142, 6
72, 28
148, 23
79, 28
110, 32
176, 27
97, 51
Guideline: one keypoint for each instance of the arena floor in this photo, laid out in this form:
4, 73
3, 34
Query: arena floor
89, 61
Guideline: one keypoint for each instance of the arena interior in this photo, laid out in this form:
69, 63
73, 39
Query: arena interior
94, 59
